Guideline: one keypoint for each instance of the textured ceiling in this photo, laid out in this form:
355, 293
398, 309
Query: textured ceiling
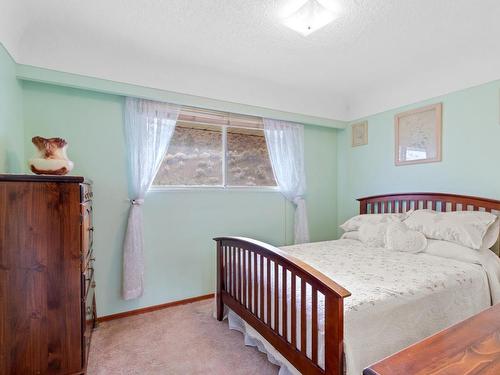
377, 55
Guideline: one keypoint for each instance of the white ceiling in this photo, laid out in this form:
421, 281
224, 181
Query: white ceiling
379, 54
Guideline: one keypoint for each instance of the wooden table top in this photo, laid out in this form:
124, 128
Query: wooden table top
469, 347
39, 178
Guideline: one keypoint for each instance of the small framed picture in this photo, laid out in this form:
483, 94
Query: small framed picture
360, 134
418, 135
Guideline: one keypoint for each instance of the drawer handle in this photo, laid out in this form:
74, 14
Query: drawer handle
93, 284
91, 269
89, 310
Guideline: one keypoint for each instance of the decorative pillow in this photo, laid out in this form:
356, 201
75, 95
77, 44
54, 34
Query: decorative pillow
452, 250
465, 228
491, 236
400, 238
373, 234
355, 222
354, 235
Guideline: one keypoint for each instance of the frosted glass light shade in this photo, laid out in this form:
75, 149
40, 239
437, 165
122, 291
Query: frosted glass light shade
309, 17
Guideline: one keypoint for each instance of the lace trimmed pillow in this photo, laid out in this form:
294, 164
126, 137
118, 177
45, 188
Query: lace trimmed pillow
353, 235
393, 236
355, 222
491, 236
466, 228
373, 235
400, 238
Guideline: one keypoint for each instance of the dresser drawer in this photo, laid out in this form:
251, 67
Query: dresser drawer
88, 324
88, 262
89, 307
86, 193
88, 279
87, 230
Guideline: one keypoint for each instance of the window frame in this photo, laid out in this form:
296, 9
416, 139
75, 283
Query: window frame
224, 186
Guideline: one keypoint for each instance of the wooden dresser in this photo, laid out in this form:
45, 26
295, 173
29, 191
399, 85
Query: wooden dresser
47, 300
470, 347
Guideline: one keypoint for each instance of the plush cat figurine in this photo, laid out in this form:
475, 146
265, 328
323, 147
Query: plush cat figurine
51, 157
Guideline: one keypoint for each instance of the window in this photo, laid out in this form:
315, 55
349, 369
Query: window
194, 157
214, 149
247, 159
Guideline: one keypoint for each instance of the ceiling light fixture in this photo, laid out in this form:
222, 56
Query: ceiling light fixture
311, 16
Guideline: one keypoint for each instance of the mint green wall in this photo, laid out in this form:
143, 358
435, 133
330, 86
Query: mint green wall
179, 225
470, 148
58, 78
11, 127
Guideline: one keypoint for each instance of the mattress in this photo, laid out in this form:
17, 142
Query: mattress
397, 298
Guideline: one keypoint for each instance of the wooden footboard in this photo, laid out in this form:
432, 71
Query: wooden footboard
270, 290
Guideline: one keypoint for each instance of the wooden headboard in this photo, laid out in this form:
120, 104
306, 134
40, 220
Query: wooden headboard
402, 202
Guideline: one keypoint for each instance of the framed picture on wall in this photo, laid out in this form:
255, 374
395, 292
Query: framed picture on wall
418, 135
360, 134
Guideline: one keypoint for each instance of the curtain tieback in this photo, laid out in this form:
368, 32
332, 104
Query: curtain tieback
297, 200
136, 202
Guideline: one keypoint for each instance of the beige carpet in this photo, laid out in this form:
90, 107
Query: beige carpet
177, 340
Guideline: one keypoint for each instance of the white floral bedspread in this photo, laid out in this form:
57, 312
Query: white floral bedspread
377, 276
398, 298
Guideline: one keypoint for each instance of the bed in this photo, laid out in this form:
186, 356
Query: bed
294, 305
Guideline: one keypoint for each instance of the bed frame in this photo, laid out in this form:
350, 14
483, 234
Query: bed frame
244, 284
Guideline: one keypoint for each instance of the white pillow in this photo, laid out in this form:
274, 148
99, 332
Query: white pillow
491, 236
400, 238
354, 235
373, 235
355, 222
452, 250
465, 228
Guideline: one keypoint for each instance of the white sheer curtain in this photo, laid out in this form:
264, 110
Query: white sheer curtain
285, 142
149, 126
